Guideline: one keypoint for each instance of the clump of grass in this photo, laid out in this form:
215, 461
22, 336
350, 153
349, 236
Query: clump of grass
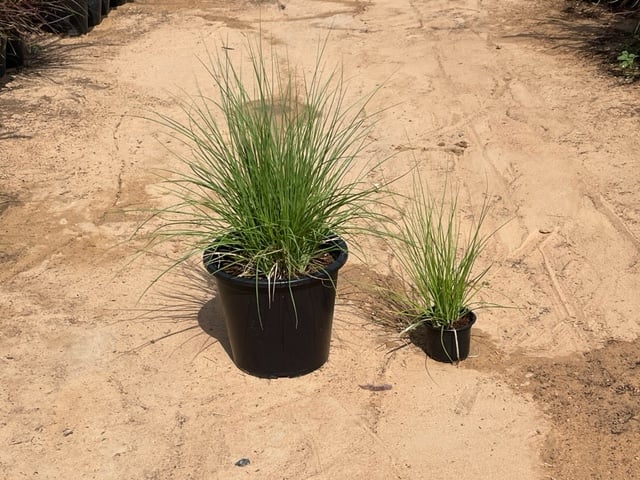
622, 5
22, 18
437, 256
270, 174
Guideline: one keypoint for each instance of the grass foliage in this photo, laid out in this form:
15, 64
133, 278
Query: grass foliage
437, 256
270, 172
621, 5
19, 18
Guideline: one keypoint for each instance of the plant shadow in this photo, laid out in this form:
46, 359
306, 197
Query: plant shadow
211, 321
418, 337
187, 296
590, 30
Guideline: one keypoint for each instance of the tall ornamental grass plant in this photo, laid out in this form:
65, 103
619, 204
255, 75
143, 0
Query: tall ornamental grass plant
271, 174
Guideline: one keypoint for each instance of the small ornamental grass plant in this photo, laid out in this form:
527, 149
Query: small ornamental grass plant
269, 176
437, 256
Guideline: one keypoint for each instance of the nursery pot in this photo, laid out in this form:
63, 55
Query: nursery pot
95, 12
78, 19
16, 52
449, 344
281, 328
68, 16
3, 55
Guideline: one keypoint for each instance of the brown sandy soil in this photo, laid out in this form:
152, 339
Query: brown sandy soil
98, 385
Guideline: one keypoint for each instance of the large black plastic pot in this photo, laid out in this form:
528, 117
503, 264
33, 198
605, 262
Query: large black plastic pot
16, 52
106, 4
3, 56
95, 12
448, 344
282, 328
68, 16
78, 19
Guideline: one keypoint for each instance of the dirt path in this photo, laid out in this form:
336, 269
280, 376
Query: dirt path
96, 385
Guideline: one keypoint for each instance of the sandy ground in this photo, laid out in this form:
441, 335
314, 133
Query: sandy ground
96, 384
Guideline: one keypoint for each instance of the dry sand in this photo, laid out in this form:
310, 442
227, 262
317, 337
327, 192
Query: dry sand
98, 385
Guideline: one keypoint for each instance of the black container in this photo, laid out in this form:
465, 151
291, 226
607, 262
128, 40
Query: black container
78, 20
16, 52
3, 56
106, 4
116, 3
283, 328
95, 12
68, 16
440, 344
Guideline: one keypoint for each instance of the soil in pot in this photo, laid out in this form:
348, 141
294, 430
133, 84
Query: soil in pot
282, 328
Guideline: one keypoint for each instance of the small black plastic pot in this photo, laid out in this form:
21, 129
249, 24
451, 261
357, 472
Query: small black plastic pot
448, 344
282, 328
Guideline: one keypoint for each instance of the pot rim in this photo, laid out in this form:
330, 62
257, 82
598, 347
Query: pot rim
334, 244
470, 312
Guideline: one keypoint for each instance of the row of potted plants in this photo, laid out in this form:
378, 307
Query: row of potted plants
23, 19
17, 19
268, 194
83, 14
